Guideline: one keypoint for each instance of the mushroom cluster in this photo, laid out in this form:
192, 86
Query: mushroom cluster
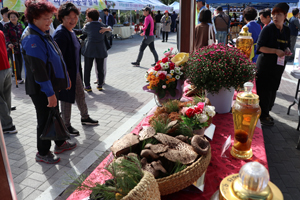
159, 159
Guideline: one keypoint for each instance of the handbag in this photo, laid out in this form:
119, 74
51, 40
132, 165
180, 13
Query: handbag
210, 35
55, 128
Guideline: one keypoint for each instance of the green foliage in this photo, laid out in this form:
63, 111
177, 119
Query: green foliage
199, 98
149, 140
177, 168
172, 106
168, 2
216, 66
193, 122
160, 125
126, 174
183, 129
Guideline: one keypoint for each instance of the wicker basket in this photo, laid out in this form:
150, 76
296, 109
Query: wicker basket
146, 189
184, 178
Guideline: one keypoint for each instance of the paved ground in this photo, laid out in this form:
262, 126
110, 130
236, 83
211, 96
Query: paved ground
117, 108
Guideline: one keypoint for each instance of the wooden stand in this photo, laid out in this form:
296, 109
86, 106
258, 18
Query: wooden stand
187, 25
7, 189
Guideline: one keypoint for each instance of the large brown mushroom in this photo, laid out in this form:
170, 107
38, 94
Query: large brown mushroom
178, 150
200, 144
154, 167
147, 153
159, 148
146, 132
124, 145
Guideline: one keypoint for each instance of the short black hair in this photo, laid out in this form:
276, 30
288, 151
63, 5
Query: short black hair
265, 12
65, 9
295, 11
220, 8
93, 14
205, 16
13, 12
105, 10
158, 12
114, 13
4, 10
250, 13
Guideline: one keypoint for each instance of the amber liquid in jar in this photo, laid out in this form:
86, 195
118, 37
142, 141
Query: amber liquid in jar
245, 45
245, 118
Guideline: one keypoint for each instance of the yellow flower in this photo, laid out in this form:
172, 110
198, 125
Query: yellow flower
180, 58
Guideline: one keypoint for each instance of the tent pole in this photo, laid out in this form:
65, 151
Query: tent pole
119, 21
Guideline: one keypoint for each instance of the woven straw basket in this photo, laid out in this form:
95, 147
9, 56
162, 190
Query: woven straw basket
146, 189
184, 178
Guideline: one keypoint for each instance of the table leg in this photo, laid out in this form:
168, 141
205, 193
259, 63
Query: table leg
295, 101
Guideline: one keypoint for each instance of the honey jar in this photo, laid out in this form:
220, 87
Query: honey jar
245, 42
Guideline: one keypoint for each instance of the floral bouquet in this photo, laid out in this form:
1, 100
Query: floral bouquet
197, 117
216, 66
164, 79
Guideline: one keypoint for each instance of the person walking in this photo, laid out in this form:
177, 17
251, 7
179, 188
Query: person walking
147, 33
265, 16
250, 15
94, 48
200, 6
69, 45
109, 20
46, 74
173, 17
294, 28
272, 46
5, 90
166, 22
13, 32
222, 23
158, 17
202, 29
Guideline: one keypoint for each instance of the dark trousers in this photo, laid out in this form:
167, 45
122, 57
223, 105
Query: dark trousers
173, 26
88, 64
267, 98
165, 34
19, 64
147, 42
40, 102
111, 39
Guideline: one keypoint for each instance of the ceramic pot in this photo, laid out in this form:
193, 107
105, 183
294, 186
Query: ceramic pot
222, 101
199, 131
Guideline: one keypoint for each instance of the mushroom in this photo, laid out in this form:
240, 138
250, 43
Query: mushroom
200, 144
147, 153
146, 132
178, 150
172, 126
159, 148
182, 138
157, 165
124, 145
148, 145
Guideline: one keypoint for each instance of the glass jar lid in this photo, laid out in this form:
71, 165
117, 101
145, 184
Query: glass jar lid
247, 97
245, 32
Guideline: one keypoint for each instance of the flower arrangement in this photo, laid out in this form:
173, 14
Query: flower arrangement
216, 66
197, 116
164, 77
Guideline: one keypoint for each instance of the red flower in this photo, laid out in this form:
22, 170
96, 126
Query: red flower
172, 66
157, 68
164, 60
199, 108
162, 76
190, 113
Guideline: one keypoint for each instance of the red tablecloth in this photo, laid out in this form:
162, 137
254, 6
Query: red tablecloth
218, 168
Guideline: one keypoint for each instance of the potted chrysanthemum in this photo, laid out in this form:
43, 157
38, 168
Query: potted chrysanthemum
219, 70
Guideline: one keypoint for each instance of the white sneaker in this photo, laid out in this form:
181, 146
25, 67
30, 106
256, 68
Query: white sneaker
20, 81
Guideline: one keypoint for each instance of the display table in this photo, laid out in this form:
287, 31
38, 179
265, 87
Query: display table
219, 167
123, 31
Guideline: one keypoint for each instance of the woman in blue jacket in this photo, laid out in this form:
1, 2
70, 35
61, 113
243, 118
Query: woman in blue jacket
69, 45
46, 73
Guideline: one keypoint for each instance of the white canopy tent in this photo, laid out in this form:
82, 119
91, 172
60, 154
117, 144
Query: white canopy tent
175, 6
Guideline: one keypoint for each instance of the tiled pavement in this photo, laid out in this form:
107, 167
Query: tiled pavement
115, 107
121, 100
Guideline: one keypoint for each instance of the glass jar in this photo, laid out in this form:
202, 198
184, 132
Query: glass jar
246, 112
244, 42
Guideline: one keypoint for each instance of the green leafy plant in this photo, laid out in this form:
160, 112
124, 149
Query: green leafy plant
216, 66
160, 125
149, 140
126, 174
177, 168
184, 130
172, 106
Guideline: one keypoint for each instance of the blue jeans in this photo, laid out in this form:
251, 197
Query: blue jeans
221, 36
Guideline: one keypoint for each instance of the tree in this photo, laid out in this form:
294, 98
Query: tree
168, 2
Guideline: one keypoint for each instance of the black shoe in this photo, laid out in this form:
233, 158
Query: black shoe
89, 121
72, 130
100, 88
163, 41
267, 121
13, 108
135, 63
10, 130
271, 118
153, 64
